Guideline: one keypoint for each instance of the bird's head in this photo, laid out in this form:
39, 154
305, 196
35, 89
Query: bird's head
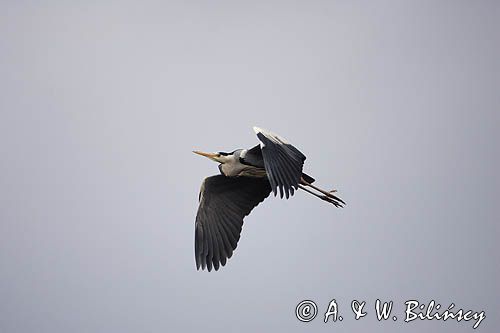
220, 157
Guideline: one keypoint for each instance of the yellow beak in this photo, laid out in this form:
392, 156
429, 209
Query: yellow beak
211, 156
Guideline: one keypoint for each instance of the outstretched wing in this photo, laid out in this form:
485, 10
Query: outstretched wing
224, 202
283, 162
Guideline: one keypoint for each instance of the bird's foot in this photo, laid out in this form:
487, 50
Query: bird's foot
330, 194
330, 200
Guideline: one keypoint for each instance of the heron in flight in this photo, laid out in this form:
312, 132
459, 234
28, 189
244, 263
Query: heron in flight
247, 177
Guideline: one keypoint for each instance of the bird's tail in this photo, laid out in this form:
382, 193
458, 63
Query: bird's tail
308, 178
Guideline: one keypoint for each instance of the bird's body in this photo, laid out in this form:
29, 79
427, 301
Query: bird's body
236, 166
247, 177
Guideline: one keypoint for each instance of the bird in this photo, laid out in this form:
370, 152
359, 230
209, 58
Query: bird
247, 177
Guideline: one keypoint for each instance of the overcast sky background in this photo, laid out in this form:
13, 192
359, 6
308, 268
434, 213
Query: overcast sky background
395, 104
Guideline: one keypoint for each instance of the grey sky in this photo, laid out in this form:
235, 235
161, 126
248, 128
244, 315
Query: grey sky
394, 103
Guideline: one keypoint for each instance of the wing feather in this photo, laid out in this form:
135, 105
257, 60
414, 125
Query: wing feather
224, 202
282, 161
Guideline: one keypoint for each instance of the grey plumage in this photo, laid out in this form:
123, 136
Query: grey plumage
283, 162
224, 202
247, 178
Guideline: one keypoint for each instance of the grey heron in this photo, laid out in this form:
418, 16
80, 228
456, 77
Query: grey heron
247, 177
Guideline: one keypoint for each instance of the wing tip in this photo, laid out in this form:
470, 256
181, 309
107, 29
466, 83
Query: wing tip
257, 130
